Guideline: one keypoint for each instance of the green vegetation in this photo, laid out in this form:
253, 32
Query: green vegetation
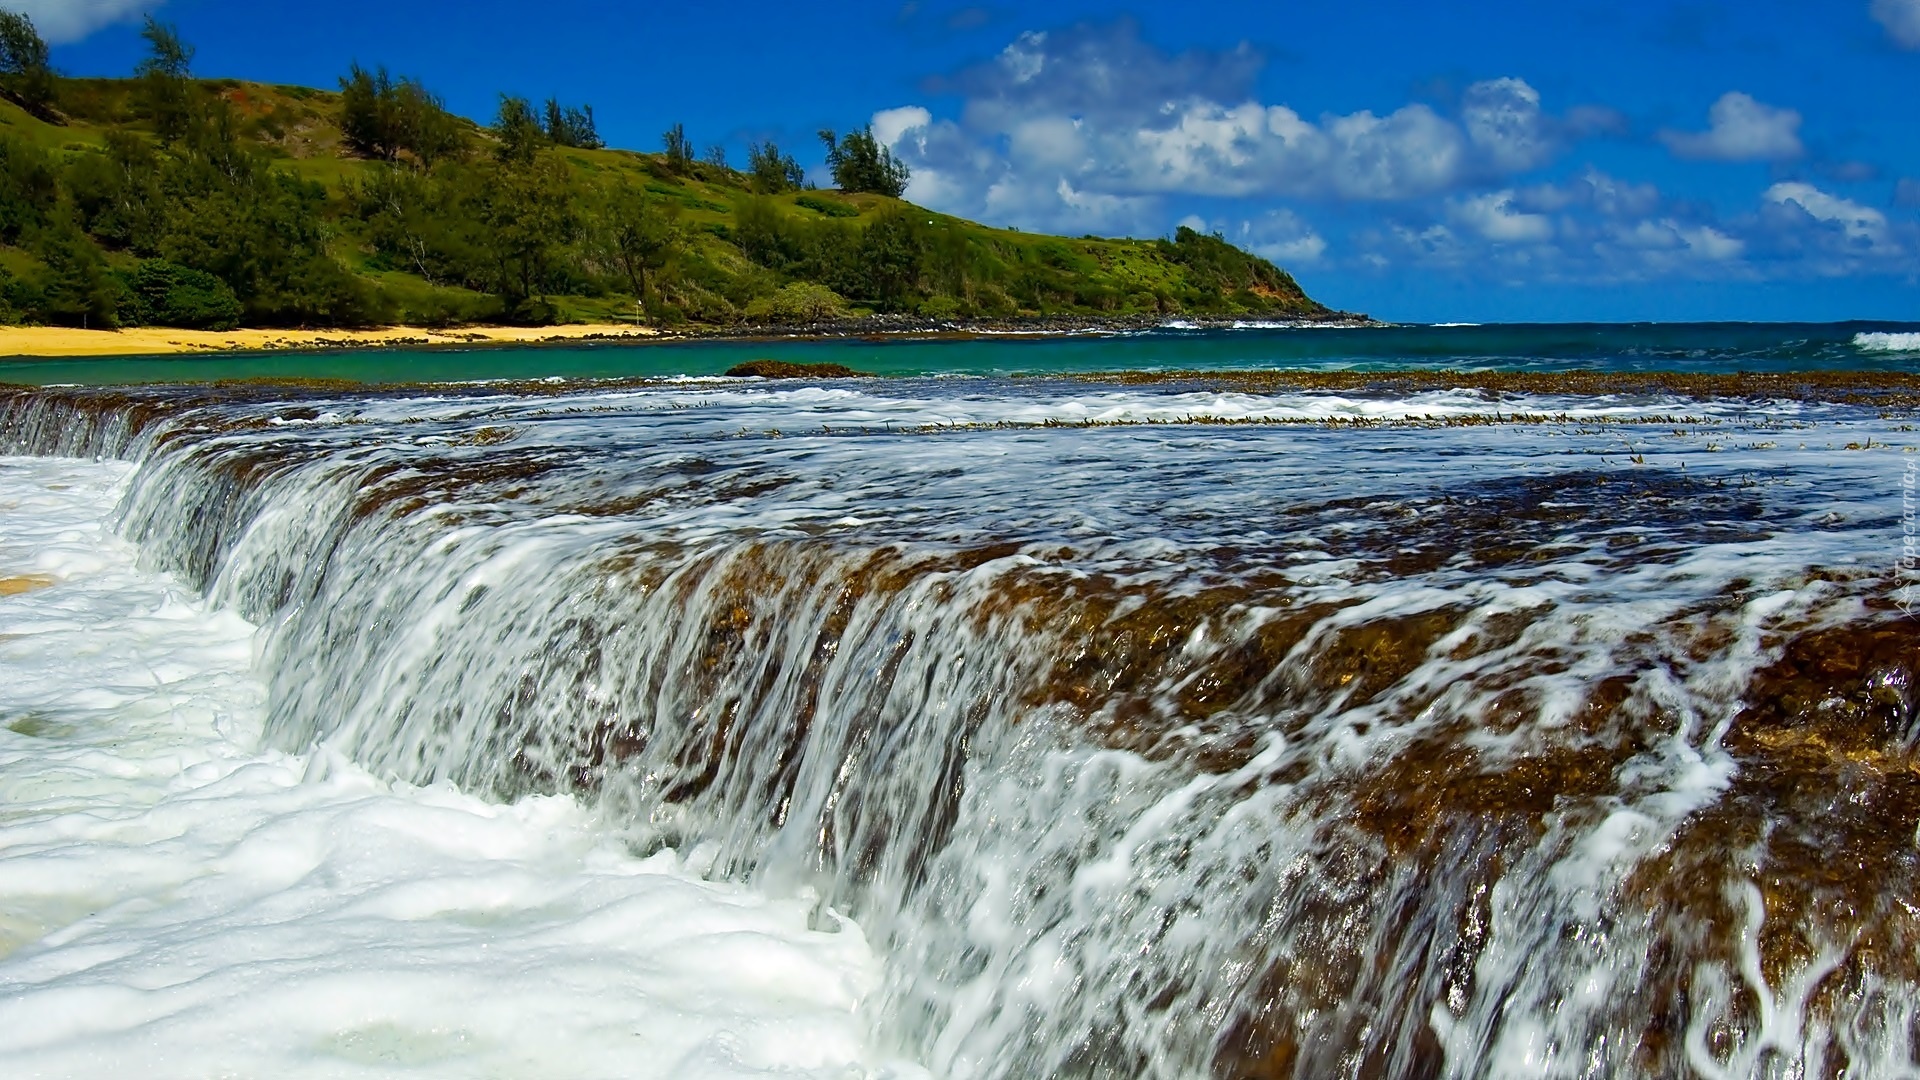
166, 199
381, 118
25, 77
859, 163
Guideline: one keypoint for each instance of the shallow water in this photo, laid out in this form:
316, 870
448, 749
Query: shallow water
1709, 347
1142, 729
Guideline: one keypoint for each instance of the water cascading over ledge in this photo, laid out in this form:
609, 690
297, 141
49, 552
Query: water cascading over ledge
1263, 752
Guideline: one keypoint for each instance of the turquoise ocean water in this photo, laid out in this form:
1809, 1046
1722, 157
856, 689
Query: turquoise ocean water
1702, 347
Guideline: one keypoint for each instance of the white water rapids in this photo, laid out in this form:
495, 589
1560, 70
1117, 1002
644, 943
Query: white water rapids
1430, 743
177, 901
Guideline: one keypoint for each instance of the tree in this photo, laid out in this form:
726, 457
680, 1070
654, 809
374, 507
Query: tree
638, 234
381, 117
892, 251
519, 131
119, 193
528, 215
679, 149
28, 188
763, 235
25, 75
572, 127
165, 80
773, 172
367, 122
78, 291
859, 162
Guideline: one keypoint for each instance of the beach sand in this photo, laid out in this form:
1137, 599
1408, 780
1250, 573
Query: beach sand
49, 341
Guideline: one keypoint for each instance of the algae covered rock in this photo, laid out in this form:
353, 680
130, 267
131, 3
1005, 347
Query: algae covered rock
782, 369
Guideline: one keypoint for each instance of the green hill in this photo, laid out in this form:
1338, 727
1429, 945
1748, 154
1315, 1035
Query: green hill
167, 200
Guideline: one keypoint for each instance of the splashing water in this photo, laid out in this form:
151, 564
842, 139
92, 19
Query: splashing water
1386, 736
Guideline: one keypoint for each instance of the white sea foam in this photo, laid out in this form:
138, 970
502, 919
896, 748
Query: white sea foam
736, 406
1047, 909
175, 901
1885, 342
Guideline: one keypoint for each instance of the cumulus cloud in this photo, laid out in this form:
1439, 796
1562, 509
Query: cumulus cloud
1591, 229
1663, 239
1741, 129
1280, 236
1861, 227
71, 20
1113, 116
890, 124
1494, 217
1593, 191
1091, 130
1597, 229
1901, 19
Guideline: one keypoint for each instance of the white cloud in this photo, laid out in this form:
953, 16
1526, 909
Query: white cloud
1863, 226
1097, 108
1054, 204
1902, 20
1503, 118
1493, 217
1593, 229
1280, 236
1668, 236
1740, 129
1247, 149
1596, 229
1710, 243
1593, 190
1091, 130
71, 20
889, 125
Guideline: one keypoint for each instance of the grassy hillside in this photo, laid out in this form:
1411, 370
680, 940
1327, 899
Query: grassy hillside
215, 202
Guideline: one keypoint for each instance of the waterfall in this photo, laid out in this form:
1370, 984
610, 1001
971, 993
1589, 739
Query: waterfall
1138, 754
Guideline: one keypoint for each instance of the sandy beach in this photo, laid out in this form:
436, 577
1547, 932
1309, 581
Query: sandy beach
52, 341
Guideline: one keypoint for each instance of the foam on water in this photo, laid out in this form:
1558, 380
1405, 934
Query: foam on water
1150, 751
176, 901
1887, 342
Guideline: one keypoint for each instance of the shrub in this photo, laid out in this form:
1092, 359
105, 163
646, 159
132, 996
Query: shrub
860, 162
800, 302
167, 294
940, 307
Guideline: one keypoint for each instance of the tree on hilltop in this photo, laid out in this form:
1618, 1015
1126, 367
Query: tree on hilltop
382, 117
859, 162
165, 80
678, 148
771, 171
519, 131
572, 127
25, 75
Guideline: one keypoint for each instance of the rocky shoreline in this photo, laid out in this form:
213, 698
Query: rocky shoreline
889, 326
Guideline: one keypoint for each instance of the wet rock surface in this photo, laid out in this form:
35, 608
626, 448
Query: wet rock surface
1134, 772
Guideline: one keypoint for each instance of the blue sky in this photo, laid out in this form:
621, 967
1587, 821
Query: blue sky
1481, 160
